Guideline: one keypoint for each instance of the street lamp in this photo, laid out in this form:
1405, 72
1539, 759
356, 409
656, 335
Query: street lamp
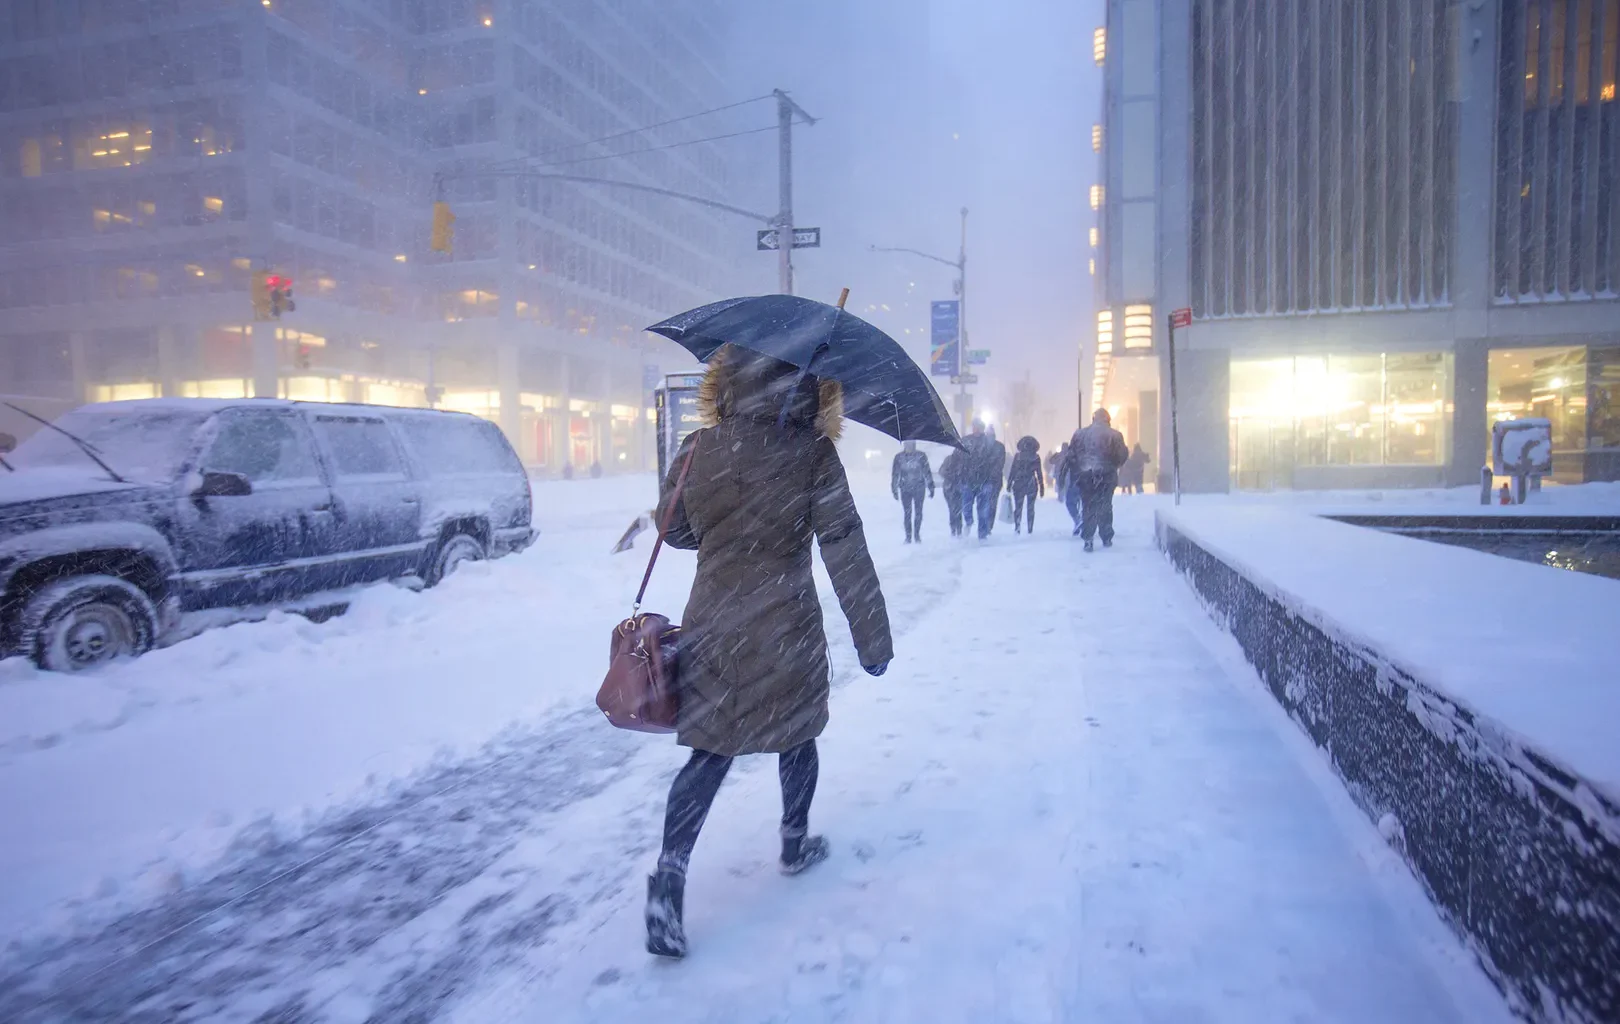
960, 263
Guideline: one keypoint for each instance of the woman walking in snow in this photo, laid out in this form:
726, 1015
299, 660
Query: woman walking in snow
1025, 481
753, 674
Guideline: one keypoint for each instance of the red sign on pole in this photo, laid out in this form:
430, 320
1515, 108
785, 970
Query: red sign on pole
1181, 318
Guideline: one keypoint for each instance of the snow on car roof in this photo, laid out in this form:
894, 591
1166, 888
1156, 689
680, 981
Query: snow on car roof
212, 405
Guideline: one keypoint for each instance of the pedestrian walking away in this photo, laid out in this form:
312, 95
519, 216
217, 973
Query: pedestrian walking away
950, 478
765, 481
983, 459
1063, 479
1001, 464
1026, 482
909, 479
1097, 452
1135, 472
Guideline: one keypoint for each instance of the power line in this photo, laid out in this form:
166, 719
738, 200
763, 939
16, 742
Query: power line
644, 128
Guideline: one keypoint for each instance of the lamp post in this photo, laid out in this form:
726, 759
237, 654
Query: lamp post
960, 263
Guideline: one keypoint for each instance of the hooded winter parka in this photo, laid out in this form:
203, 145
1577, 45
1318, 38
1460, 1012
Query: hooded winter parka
753, 674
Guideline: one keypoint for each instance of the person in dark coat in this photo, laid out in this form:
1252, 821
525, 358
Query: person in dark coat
908, 479
753, 657
1134, 474
1002, 463
1025, 480
984, 459
1063, 482
1097, 452
950, 479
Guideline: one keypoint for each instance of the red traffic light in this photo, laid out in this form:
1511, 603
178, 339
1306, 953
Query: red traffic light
277, 281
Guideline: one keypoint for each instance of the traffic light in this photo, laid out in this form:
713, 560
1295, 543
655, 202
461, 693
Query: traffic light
260, 291
281, 297
444, 227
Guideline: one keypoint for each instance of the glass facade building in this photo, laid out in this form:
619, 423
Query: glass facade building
1393, 223
155, 153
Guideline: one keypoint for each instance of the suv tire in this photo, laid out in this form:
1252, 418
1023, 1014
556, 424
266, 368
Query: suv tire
81, 622
457, 548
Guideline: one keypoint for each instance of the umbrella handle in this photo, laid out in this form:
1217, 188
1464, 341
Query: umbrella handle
843, 297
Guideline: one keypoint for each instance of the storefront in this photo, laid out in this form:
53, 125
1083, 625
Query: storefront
1577, 388
1304, 422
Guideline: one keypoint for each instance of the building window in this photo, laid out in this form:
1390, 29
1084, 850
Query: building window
1138, 326
1099, 45
123, 145
1096, 197
1096, 138
1389, 409
1323, 157
1577, 389
1558, 151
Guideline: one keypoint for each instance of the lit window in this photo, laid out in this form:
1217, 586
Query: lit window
1105, 330
195, 271
242, 263
1608, 92
1094, 238
1099, 45
1093, 267
115, 147
399, 258
33, 157
1138, 327
214, 204
1096, 138
1096, 197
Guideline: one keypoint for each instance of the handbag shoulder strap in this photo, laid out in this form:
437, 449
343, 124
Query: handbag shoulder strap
663, 527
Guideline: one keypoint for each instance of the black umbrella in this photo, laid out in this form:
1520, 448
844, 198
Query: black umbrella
883, 388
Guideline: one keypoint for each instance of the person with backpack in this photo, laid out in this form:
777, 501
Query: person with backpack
909, 477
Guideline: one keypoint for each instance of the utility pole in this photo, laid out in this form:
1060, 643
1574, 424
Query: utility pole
786, 110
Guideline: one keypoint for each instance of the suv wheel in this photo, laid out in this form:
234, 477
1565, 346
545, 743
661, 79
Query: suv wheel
457, 549
84, 621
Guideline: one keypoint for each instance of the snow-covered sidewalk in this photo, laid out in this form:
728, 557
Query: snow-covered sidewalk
1067, 800
1061, 804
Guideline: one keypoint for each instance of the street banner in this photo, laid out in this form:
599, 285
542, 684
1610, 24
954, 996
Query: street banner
945, 338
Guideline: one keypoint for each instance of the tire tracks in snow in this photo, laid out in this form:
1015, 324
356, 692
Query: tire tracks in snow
392, 911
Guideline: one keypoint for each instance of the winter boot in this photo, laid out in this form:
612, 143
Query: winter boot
1090, 546
800, 853
666, 896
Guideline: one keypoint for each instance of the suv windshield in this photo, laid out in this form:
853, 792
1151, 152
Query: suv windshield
140, 444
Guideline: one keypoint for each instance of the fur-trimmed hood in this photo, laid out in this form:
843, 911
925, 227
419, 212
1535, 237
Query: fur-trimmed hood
740, 382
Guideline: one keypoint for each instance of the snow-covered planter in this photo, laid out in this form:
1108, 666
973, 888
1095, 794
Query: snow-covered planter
1517, 847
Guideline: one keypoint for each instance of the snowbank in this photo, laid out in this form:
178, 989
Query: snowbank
1469, 704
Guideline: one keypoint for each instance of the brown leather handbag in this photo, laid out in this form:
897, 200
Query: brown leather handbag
639, 690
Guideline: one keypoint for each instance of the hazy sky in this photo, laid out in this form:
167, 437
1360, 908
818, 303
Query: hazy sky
927, 106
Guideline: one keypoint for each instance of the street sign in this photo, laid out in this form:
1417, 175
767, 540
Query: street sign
965, 378
1181, 318
945, 338
803, 238
978, 356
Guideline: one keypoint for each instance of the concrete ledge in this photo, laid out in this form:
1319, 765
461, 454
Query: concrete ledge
1520, 854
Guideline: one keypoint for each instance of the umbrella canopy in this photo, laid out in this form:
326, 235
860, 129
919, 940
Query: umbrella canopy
883, 388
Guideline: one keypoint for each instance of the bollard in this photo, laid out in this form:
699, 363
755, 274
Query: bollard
1486, 478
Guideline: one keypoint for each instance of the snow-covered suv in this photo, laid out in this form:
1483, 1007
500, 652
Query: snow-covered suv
120, 516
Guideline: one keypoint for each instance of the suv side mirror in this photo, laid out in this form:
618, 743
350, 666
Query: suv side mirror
8, 444
223, 485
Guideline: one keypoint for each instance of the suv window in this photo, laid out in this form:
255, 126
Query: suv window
448, 445
359, 447
263, 446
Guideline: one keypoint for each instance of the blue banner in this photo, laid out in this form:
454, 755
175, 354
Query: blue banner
945, 338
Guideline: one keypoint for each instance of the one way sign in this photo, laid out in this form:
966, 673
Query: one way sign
803, 238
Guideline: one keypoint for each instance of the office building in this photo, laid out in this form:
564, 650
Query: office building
155, 154
1393, 222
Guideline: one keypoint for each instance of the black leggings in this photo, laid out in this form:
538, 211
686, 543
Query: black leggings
696, 784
